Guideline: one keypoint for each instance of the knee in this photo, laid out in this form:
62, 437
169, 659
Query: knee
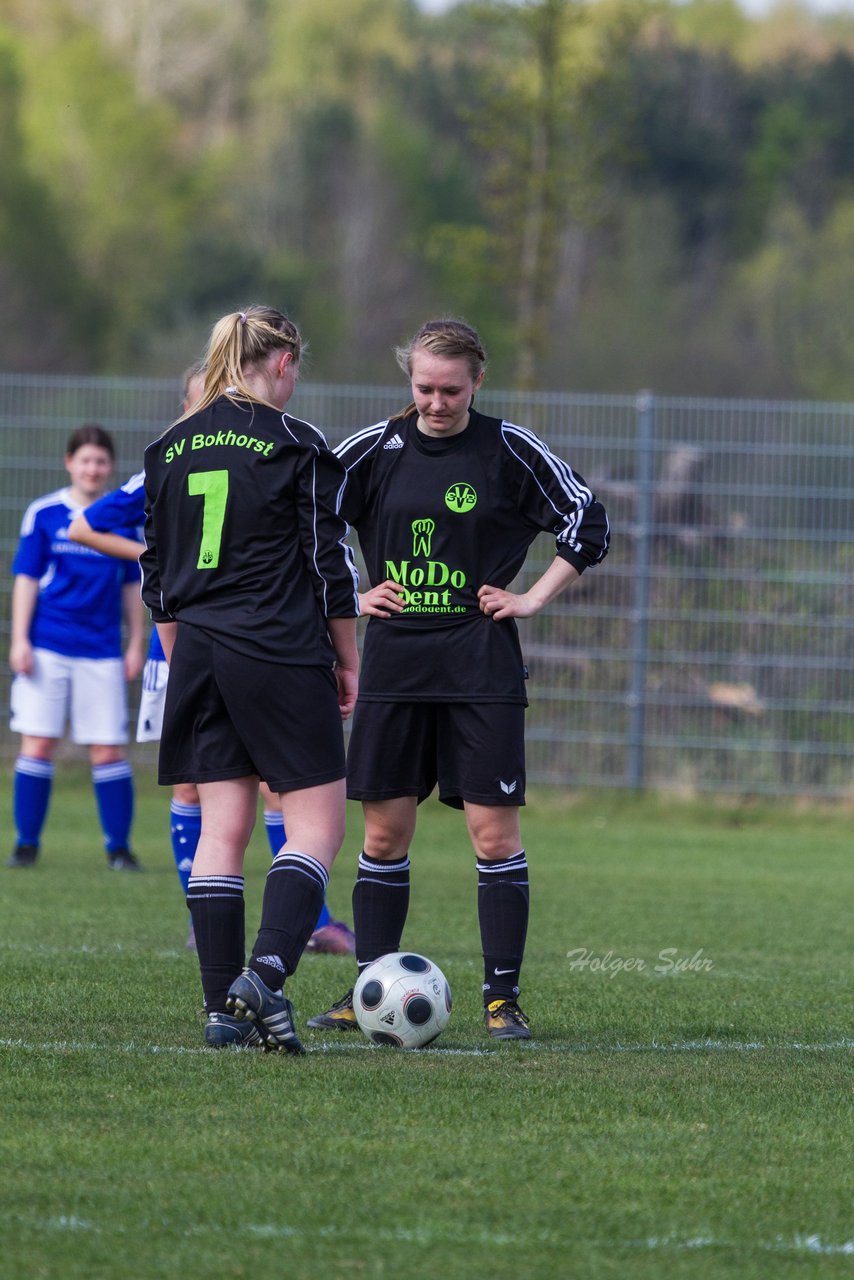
494, 848
494, 830
233, 834
185, 793
38, 748
495, 841
105, 755
388, 845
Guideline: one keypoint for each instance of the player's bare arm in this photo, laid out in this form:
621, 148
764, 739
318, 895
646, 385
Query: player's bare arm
25, 592
342, 633
134, 613
109, 544
168, 632
499, 604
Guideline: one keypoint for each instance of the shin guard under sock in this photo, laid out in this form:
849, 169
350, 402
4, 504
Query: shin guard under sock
293, 895
502, 907
216, 908
380, 907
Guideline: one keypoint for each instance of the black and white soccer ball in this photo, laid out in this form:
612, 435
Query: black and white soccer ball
402, 999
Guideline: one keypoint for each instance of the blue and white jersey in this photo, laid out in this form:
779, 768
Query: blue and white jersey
121, 509
79, 608
116, 512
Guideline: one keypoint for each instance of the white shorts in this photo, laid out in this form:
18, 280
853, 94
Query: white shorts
152, 700
90, 692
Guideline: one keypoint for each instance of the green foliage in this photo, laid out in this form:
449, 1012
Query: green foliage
801, 285
108, 162
365, 164
43, 294
712, 25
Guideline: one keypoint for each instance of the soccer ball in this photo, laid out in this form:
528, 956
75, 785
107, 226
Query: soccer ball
402, 999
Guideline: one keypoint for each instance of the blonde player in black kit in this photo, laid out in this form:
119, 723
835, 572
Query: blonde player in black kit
446, 502
254, 593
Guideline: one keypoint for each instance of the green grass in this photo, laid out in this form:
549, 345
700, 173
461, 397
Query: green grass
678, 1124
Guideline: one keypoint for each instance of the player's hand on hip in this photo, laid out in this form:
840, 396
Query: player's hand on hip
383, 601
498, 604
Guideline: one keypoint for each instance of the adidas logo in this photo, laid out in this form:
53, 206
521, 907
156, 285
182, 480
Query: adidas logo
388, 1018
394, 443
274, 962
507, 787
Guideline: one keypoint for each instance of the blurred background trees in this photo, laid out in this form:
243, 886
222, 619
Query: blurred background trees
619, 193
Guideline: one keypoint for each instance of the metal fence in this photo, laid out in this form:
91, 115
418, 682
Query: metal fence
714, 648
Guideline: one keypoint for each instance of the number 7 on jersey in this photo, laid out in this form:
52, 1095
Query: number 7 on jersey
213, 487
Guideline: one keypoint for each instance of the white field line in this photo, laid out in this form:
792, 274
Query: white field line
359, 1046
799, 1243
98, 950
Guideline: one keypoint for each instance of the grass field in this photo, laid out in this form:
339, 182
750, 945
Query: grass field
668, 1120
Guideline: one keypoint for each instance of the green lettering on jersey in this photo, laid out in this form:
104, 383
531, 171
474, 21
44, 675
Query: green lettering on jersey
213, 487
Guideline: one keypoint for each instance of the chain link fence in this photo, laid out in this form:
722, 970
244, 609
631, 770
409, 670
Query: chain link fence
713, 650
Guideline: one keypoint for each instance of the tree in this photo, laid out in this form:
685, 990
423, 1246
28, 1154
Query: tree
543, 124
117, 179
48, 310
801, 290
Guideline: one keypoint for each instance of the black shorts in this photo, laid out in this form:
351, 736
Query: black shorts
474, 750
231, 716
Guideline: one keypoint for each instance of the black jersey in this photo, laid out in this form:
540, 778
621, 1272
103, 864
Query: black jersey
243, 535
442, 517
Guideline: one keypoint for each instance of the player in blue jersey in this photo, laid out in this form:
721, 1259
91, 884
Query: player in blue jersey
66, 655
105, 527
100, 527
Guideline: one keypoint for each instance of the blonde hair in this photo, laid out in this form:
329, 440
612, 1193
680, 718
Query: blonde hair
451, 339
241, 339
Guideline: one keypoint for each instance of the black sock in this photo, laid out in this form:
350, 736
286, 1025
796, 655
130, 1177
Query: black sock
293, 896
216, 909
502, 907
380, 906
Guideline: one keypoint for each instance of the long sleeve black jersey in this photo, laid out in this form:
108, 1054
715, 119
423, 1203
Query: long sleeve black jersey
243, 534
441, 518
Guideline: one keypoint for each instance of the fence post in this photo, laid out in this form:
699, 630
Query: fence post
642, 535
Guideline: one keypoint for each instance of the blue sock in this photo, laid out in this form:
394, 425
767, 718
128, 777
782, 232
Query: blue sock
275, 827
275, 824
185, 829
32, 787
113, 785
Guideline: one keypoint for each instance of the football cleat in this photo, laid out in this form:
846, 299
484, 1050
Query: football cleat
333, 939
250, 998
224, 1032
340, 1017
123, 860
23, 855
506, 1021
